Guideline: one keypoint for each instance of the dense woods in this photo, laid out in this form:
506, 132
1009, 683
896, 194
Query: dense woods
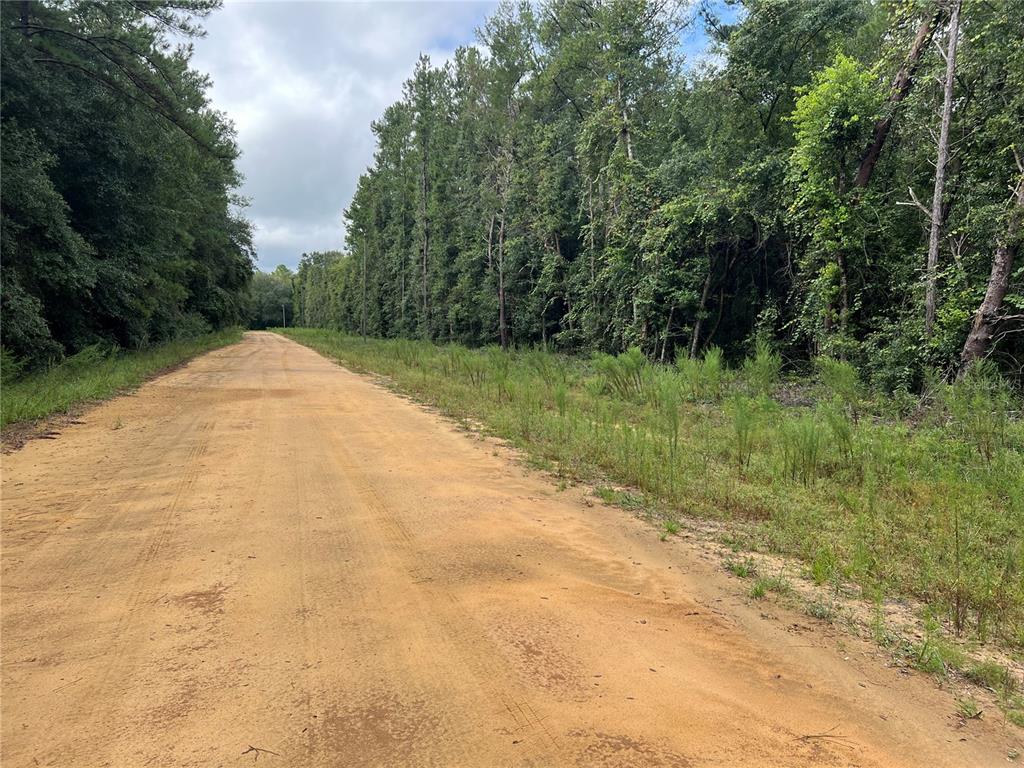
574, 181
120, 221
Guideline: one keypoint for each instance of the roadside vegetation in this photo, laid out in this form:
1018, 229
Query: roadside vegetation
95, 373
918, 497
122, 222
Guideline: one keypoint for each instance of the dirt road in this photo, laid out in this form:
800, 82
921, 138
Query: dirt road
264, 556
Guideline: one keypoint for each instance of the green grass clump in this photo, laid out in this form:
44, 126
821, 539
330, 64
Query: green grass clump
744, 568
766, 584
991, 675
922, 500
96, 373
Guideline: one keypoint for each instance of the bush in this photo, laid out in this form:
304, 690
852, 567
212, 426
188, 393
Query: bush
762, 370
979, 407
703, 380
840, 380
624, 375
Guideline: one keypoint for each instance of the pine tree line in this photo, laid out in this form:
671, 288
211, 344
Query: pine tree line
572, 182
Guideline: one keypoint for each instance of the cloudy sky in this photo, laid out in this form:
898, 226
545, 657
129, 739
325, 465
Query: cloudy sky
302, 81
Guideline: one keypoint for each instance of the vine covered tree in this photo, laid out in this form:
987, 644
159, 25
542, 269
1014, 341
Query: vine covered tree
574, 182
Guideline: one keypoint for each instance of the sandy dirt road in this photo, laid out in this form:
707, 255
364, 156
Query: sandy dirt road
264, 550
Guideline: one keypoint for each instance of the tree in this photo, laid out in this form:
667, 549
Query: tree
271, 299
941, 160
120, 220
570, 182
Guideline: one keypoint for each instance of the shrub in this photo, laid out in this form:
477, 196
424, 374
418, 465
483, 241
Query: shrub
762, 370
702, 379
743, 411
623, 375
979, 407
841, 381
801, 448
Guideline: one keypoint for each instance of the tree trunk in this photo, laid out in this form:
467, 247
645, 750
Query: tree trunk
844, 293
987, 317
490, 241
502, 321
363, 324
426, 247
900, 88
695, 341
668, 327
940, 171
624, 134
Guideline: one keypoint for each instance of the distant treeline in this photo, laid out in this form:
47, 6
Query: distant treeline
119, 213
571, 183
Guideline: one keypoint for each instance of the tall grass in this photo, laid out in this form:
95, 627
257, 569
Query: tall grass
930, 507
96, 373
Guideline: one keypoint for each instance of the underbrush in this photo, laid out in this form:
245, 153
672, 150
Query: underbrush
922, 500
96, 373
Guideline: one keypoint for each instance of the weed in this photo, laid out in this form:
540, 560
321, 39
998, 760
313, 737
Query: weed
968, 709
821, 610
561, 400
744, 421
979, 406
765, 584
1014, 709
823, 567
841, 381
624, 375
933, 654
762, 370
743, 568
702, 380
801, 449
991, 675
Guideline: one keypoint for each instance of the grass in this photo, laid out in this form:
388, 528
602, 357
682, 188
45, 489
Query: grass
766, 584
923, 501
96, 373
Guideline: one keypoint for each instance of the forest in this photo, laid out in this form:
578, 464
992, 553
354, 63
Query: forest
839, 178
122, 227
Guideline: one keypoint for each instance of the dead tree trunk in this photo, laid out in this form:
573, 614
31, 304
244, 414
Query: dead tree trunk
987, 317
940, 171
900, 88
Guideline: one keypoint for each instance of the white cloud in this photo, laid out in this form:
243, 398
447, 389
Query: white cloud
302, 81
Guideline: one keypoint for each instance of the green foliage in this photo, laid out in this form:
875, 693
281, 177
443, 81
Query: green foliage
96, 373
762, 370
978, 406
270, 299
570, 185
841, 381
745, 424
703, 380
801, 443
120, 220
765, 584
743, 568
625, 375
